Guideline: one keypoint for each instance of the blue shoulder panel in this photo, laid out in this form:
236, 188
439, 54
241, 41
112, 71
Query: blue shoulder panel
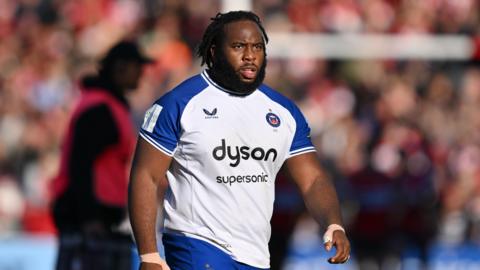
301, 140
161, 125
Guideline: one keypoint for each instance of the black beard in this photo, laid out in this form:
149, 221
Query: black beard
223, 73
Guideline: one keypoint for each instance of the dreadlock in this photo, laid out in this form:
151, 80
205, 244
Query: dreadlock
215, 33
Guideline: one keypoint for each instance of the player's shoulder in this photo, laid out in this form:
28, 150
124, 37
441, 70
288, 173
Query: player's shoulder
277, 97
184, 91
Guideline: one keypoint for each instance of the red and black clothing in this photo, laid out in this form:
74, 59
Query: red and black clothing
92, 183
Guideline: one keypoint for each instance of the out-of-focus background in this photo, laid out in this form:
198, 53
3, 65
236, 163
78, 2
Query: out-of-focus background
391, 89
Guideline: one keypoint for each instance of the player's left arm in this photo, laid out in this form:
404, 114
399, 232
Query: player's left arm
321, 200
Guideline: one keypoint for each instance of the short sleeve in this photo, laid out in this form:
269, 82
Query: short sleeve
161, 125
301, 142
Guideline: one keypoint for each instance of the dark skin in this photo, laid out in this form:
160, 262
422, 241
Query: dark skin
147, 180
321, 200
126, 74
245, 50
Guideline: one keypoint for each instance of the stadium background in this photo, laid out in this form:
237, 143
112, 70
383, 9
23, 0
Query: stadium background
391, 89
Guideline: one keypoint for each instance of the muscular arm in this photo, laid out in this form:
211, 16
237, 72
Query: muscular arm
320, 199
147, 184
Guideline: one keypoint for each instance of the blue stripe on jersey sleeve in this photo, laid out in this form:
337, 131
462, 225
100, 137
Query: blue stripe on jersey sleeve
301, 140
165, 133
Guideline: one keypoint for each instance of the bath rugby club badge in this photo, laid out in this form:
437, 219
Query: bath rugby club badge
273, 120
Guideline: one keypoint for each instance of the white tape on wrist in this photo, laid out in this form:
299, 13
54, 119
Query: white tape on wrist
153, 257
328, 235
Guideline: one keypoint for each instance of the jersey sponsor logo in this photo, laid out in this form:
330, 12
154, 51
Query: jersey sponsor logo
273, 119
237, 153
233, 179
151, 116
212, 114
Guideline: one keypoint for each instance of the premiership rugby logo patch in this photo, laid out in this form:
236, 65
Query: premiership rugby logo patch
151, 117
273, 120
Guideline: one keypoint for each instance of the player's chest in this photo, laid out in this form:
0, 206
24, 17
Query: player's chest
236, 122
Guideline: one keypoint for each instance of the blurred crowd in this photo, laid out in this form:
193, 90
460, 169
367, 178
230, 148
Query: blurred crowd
400, 138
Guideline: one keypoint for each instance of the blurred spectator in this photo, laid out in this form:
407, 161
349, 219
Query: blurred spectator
90, 190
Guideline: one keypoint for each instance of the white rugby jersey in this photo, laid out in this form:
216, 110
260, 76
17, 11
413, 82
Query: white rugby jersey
226, 150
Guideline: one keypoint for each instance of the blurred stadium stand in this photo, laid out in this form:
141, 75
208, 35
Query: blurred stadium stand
391, 89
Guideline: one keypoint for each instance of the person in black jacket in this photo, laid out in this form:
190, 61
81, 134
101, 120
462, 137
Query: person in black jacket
90, 191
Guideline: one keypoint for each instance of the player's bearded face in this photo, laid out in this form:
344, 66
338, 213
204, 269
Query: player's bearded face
224, 74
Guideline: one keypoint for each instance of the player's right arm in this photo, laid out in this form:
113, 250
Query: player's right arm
147, 184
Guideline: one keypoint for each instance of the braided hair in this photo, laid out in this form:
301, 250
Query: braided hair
215, 33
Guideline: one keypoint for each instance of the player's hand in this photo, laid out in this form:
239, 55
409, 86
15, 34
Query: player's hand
154, 266
340, 241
